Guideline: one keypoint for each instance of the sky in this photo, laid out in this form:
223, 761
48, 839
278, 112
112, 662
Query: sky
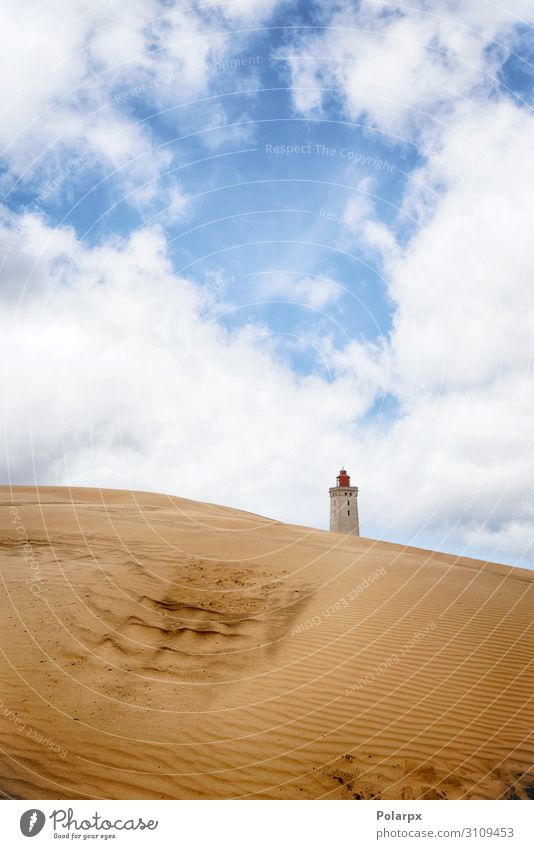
246, 243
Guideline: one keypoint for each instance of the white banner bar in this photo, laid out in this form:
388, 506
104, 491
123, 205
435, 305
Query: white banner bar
264, 825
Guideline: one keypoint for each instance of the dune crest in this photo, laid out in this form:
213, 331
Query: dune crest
155, 647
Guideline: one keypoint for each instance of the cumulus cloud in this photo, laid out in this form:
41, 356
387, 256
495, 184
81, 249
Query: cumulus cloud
73, 74
462, 282
398, 66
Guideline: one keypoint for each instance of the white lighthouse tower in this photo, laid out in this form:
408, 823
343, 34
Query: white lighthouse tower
344, 506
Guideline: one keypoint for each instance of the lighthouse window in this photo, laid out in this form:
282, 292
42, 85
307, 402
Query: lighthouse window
348, 512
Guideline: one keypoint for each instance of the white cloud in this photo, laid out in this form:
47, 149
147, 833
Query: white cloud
367, 233
72, 72
360, 206
465, 278
399, 66
249, 11
314, 291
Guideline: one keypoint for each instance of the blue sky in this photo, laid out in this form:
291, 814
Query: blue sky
267, 239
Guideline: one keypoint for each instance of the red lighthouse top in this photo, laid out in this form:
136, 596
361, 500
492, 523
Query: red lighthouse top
343, 479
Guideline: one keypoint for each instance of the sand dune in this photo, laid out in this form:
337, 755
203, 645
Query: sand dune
154, 647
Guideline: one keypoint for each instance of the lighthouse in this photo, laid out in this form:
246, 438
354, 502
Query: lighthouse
344, 506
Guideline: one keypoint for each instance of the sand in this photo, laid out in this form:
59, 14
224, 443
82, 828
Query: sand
155, 647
